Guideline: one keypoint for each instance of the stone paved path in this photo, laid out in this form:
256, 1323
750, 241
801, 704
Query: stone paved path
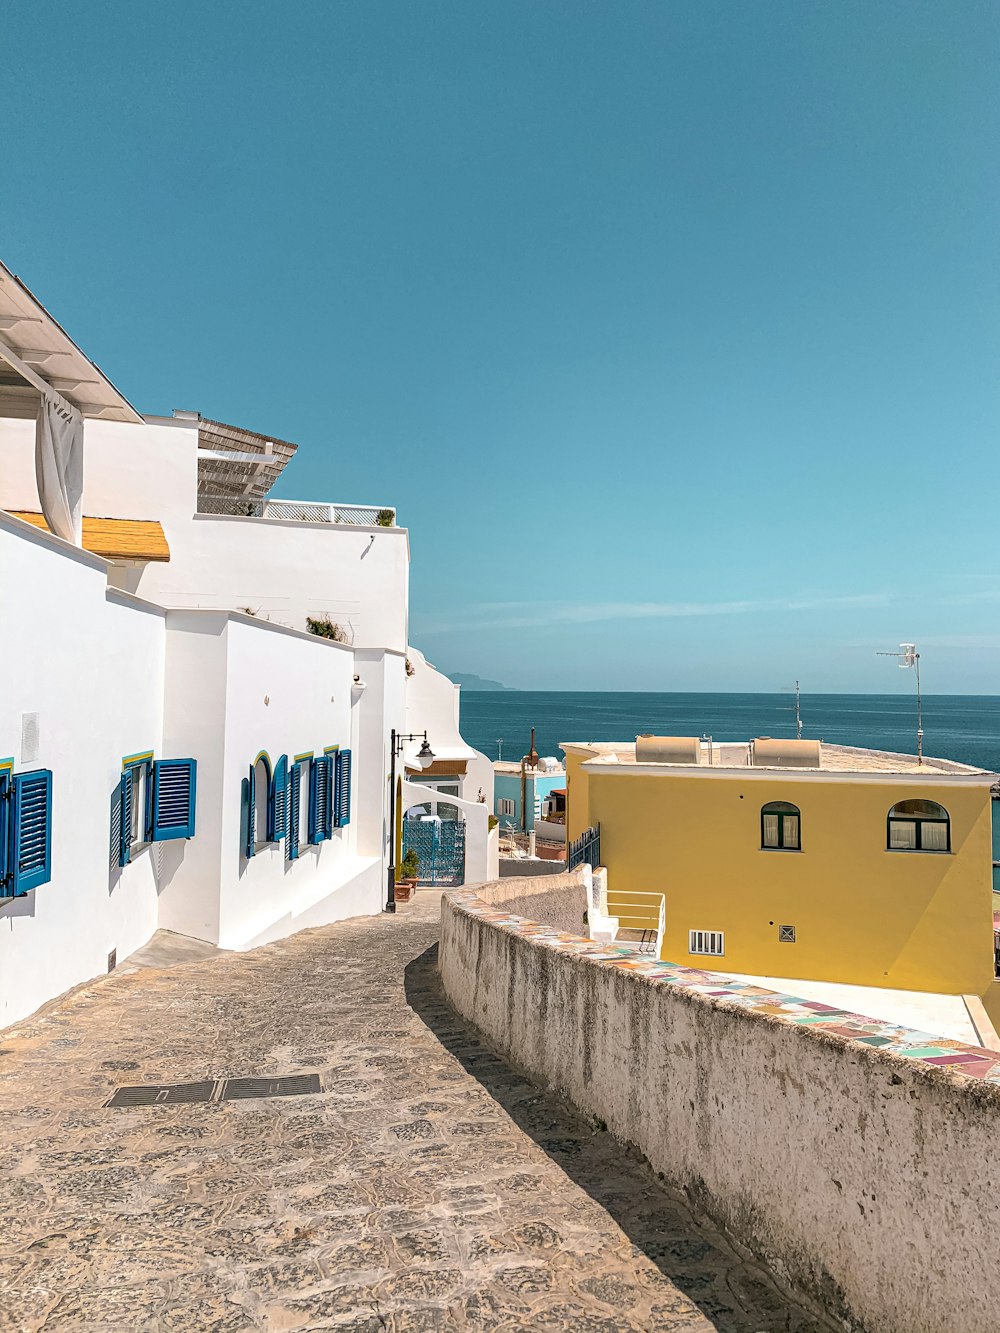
430, 1187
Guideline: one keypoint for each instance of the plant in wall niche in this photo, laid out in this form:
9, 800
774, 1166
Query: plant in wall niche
326, 628
493, 822
411, 670
386, 518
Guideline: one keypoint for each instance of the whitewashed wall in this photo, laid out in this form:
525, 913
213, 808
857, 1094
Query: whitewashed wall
433, 704
90, 663
264, 688
283, 570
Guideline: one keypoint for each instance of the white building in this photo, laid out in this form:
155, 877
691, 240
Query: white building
167, 623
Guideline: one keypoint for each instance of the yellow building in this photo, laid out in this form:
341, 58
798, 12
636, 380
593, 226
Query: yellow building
798, 859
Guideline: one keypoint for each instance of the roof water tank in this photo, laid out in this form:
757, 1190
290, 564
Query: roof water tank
549, 764
667, 750
768, 753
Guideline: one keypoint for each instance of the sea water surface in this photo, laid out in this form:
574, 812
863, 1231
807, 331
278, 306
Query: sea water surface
963, 727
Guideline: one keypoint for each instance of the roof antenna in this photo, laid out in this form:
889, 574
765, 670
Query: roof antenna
909, 657
798, 708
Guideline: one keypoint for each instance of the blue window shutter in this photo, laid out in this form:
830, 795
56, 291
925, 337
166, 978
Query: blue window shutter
292, 836
343, 812
32, 830
329, 790
279, 798
173, 799
125, 818
319, 800
249, 815
6, 800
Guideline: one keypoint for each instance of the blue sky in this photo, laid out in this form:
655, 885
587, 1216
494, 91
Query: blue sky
671, 329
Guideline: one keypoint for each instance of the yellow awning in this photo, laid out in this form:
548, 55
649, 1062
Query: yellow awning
115, 538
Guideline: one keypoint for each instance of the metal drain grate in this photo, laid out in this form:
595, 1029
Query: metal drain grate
215, 1090
293, 1085
149, 1094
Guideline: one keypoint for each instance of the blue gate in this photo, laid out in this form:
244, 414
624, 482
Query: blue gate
440, 845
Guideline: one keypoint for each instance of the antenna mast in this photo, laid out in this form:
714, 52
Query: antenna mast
909, 657
786, 689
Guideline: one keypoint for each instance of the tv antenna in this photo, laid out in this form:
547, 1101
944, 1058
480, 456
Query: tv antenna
909, 657
786, 689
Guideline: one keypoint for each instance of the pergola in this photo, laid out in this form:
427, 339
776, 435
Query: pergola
44, 375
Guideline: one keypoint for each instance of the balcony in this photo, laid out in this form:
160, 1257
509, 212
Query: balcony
299, 511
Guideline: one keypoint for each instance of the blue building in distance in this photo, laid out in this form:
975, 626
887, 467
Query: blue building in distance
524, 797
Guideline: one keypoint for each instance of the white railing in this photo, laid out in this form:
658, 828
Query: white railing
300, 511
312, 511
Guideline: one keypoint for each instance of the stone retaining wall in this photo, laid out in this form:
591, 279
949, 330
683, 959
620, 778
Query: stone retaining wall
865, 1177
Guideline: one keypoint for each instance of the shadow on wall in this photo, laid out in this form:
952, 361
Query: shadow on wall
688, 1251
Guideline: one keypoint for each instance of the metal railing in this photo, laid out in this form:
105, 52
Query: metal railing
300, 511
585, 850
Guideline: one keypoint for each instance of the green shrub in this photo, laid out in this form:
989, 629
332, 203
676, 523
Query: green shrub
386, 518
326, 628
409, 866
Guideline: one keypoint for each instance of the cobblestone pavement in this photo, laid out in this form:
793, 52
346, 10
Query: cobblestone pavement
428, 1187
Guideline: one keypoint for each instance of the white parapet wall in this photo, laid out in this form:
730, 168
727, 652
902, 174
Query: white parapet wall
866, 1178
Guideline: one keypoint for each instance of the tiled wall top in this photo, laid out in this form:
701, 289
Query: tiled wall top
941, 1052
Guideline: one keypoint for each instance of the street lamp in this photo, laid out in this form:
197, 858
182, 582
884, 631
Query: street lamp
425, 757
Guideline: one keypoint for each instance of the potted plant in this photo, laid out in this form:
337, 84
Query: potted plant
407, 874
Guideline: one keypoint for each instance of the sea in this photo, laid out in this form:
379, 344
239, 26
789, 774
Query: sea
965, 727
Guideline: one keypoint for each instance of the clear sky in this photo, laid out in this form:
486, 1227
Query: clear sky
671, 329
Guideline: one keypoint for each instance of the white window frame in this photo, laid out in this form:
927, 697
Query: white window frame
506, 807
707, 942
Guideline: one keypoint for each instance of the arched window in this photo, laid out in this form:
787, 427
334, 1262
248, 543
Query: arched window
780, 827
262, 800
918, 826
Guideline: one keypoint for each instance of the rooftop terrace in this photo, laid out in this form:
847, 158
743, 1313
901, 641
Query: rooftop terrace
739, 755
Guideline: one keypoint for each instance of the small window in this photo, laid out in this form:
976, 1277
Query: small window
780, 827
139, 831
707, 941
261, 800
918, 826
786, 934
505, 807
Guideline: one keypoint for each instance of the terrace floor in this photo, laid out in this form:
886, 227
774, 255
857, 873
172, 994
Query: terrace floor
428, 1187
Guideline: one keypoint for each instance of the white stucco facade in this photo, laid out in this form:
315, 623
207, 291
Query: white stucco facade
177, 752
201, 656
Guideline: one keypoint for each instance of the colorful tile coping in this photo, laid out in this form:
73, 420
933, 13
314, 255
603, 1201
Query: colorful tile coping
924, 1047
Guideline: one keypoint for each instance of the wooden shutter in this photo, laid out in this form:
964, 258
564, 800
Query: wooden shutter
343, 793
125, 818
319, 800
173, 799
249, 819
31, 840
294, 796
277, 811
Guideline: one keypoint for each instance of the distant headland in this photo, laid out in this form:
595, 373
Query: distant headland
469, 681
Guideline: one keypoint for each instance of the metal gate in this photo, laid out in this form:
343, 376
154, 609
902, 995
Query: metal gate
440, 845
585, 850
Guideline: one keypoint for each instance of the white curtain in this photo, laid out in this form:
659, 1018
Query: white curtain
59, 466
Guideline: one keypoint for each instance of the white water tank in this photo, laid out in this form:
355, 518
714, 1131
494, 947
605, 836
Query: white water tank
667, 750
